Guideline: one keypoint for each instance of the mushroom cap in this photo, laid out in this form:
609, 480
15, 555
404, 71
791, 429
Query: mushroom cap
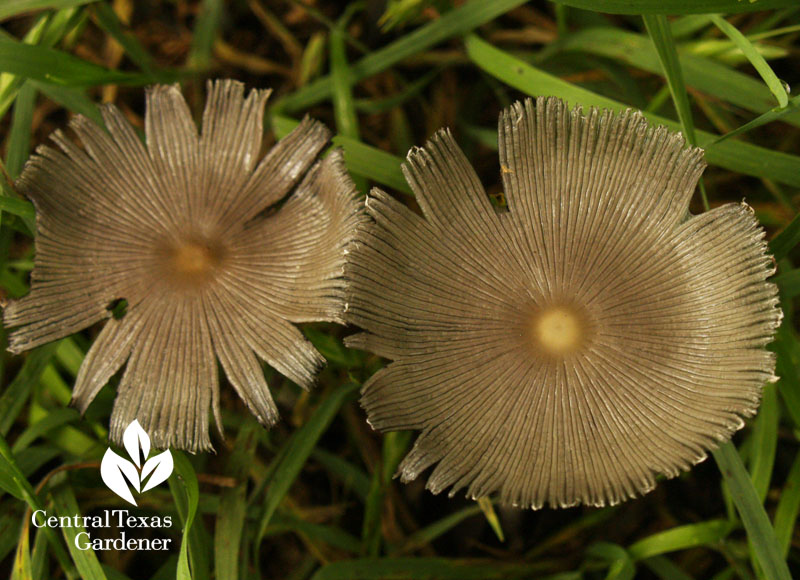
181, 228
569, 349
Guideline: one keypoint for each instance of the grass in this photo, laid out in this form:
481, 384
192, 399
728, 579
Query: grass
314, 497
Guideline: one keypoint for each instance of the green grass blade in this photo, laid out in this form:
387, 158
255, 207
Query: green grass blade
16, 394
454, 23
48, 30
346, 472
370, 526
770, 116
713, 78
22, 568
13, 7
232, 505
740, 40
621, 566
659, 30
689, 25
298, 448
55, 385
562, 21
677, 6
755, 520
680, 538
395, 446
373, 163
34, 457
39, 556
313, 58
282, 126
19, 207
85, 560
9, 532
786, 240
735, 156
25, 490
344, 111
400, 12
360, 158
185, 490
665, 569
205, 33
74, 100
787, 348
54, 419
108, 21
431, 532
8, 483
413, 89
487, 507
70, 356
788, 283
764, 443
19, 137
15, 287
788, 508
59, 25
332, 348
54, 66
10, 84
771, 21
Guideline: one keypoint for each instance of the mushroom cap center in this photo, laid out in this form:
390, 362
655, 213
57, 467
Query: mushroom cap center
191, 262
558, 330
193, 259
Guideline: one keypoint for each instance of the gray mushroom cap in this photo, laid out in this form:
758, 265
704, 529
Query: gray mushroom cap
570, 349
179, 227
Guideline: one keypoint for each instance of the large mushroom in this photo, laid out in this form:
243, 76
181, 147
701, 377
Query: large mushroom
181, 228
570, 348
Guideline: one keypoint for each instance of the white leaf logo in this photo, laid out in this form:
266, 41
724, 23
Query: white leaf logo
161, 466
135, 438
115, 470
112, 469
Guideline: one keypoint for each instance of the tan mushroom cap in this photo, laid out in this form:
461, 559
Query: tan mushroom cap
179, 227
570, 349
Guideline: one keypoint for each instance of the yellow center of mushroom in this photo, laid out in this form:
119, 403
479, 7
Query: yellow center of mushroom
192, 262
193, 259
558, 330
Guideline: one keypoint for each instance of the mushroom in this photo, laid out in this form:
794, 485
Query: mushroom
182, 228
571, 348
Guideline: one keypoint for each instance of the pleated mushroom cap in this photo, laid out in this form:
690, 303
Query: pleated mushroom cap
181, 228
570, 349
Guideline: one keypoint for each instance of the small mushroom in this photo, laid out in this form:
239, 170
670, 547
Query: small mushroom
179, 228
573, 347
